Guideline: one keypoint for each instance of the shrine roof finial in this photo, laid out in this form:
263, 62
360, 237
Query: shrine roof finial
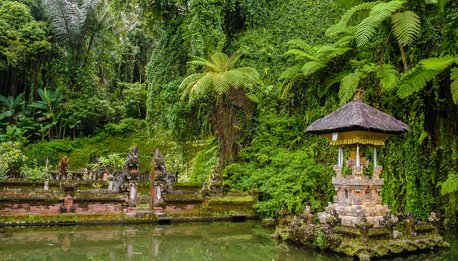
359, 93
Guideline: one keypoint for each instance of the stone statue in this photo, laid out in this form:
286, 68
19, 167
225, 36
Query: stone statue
307, 214
162, 179
130, 170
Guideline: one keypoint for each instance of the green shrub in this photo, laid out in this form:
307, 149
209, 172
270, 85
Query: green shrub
204, 162
34, 172
11, 157
124, 126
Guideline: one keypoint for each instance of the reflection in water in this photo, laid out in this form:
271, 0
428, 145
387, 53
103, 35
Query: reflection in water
214, 241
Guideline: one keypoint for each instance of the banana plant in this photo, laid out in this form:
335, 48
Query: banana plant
48, 107
11, 107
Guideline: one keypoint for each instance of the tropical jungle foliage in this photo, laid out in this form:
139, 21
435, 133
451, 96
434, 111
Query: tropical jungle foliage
90, 78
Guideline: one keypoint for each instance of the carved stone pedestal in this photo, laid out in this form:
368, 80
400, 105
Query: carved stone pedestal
357, 196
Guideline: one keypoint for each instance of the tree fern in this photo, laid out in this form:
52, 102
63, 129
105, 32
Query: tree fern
406, 27
450, 185
218, 78
291, 72
301, 54
414, 81
388, 76
328, 52
330, 81
379, 13
454, 84
310, 68
301, 44
348, 85
342, 26
438, 63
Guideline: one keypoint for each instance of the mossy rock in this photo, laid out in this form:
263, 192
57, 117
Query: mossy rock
421, 244
381, 250
231, 200
379, 232
347, 231
347, 249
364, 255
424, 228
396, 248
410, 246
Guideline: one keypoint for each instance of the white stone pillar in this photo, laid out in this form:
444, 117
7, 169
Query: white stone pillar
375, 157
340, 157
358, 162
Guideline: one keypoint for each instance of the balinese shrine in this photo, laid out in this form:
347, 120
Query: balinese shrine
356, 128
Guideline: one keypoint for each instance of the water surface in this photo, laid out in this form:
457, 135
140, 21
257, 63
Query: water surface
210, 241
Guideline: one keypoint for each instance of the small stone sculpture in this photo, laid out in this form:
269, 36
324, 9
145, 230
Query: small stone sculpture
69, 188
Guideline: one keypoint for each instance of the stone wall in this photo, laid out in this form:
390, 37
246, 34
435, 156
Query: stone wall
43, 207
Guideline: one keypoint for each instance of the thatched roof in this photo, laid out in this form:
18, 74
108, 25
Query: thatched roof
357, 115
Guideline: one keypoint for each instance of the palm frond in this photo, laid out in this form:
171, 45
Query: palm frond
406, 27
454, 84
348, 85
342, 26
414, 81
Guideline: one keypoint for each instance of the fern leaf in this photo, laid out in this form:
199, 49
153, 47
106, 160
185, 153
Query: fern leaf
437, 63
330, 81
406, 27
414, 81
348, 85
388, 76
379, 13
220, 83
250, 74
208, 66
454, 84
233, 59
450, 185
301, 54
301, 44
291, 72
345, 41
310, 68
342, 26
327, 52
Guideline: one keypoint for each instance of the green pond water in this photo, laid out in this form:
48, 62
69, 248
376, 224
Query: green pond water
196, 241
